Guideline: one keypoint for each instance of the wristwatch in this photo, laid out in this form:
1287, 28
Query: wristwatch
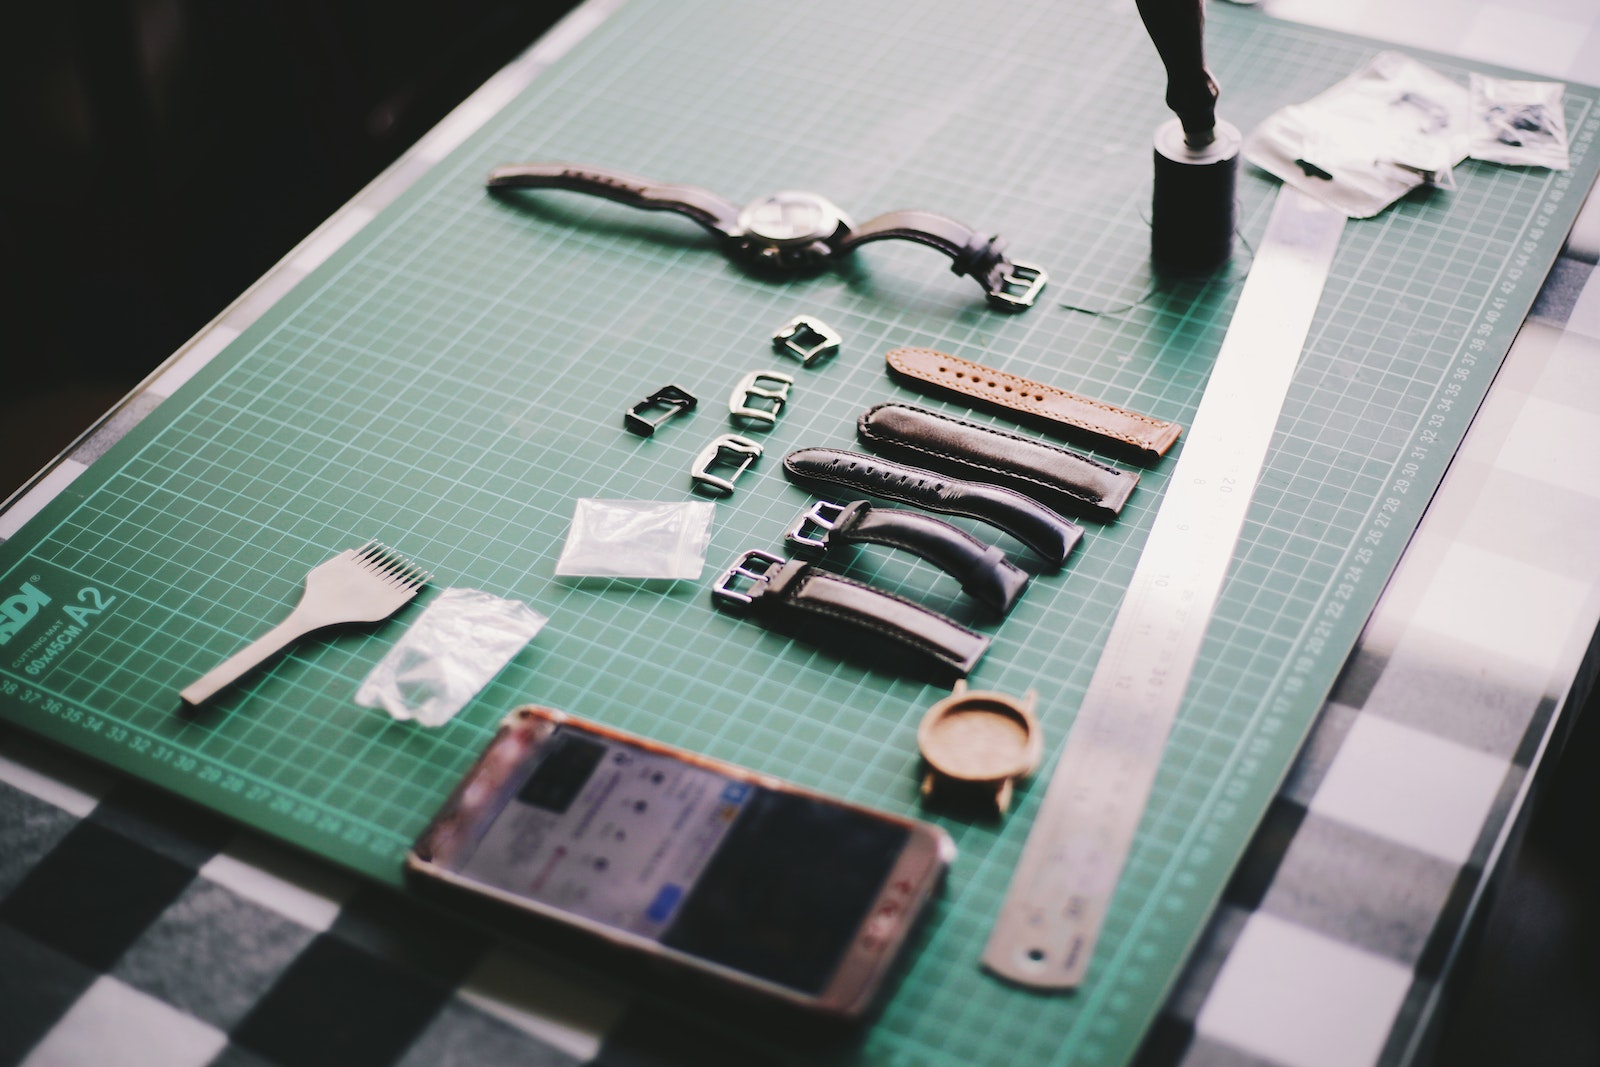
794, 232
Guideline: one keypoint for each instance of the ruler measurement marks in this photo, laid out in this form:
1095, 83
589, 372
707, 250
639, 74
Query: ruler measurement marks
1056, 904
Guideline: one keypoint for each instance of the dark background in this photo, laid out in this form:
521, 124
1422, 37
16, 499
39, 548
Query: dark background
160, 155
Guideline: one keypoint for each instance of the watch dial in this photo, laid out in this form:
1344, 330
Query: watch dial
790, 216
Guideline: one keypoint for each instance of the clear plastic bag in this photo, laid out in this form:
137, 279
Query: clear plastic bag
1519, 123
637, 539
1364, 143
445, 658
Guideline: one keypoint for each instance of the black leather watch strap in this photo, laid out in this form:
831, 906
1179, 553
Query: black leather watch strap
795, 597
1009, 285
1029, 521
1057, 478
983, 570
715, 213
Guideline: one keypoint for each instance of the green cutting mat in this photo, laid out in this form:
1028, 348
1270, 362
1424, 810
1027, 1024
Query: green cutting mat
453, 379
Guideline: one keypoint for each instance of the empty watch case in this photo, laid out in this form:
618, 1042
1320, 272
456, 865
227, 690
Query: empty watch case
976, 745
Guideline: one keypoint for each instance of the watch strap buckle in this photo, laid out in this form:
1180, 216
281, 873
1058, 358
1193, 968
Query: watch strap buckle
1016, 285
672, 399
754, 565
760, 396
808, 533
807, 338
729, 450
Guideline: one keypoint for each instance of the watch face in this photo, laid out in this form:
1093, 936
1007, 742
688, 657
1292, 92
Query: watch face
788, 217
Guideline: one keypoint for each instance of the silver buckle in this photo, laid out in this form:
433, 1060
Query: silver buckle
673, 398
755, 387
728, 450
807, 338
722, 590
822, 516
1018, 286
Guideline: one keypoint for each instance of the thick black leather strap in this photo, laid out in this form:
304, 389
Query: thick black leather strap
715, 213
971, 253
983, 570
1030, 522
1057, 478
794, 596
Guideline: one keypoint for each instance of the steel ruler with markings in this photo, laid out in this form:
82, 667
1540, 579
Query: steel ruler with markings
1059, 895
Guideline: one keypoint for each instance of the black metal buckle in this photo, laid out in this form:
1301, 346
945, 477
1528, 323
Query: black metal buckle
675, 399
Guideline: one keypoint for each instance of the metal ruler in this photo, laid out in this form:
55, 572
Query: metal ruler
1058, 897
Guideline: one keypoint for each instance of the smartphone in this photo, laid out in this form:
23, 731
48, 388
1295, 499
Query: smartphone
756, 884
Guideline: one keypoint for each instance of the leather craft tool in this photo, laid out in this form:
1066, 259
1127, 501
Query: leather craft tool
366, 584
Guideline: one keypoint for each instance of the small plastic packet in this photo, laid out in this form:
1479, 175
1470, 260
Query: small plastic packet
1362, 144
1520, 123
445, 658
637, 539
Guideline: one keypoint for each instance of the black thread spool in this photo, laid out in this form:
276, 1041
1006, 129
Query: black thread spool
1192, 206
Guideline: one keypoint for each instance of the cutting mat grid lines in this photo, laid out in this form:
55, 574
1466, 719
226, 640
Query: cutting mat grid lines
454, 378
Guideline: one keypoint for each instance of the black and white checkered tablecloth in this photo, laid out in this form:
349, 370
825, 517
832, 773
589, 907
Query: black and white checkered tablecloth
139, 929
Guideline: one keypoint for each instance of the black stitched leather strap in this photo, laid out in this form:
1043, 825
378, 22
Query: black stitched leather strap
795, 597
1030, 522
983, 570
715, 213
1057, 478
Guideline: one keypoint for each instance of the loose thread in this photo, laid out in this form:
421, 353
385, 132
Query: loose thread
1151, 289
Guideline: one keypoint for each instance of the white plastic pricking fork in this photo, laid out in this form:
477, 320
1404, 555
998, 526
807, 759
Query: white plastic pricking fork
366, 584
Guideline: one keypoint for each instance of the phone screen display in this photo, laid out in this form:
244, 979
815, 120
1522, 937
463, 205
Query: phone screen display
769, 883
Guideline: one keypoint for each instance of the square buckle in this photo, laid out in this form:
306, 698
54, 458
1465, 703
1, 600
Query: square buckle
754, 565
1019, 284
769, 386
729, 450
807, 338
675, 399
822, 517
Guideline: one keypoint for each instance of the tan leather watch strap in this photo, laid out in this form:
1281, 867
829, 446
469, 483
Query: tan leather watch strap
1148, 436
